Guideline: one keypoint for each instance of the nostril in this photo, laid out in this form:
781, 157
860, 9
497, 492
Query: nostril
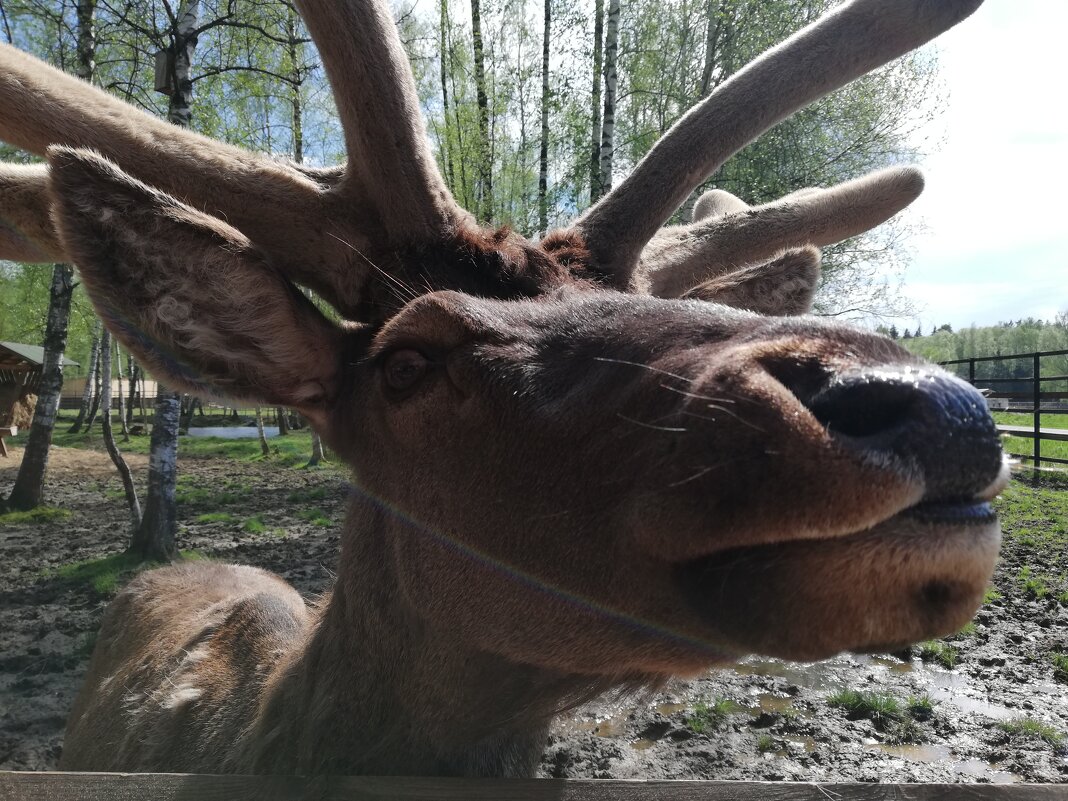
804, 377
936, 423
865, 408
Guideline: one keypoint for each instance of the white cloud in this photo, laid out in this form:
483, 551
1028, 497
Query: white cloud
997, 243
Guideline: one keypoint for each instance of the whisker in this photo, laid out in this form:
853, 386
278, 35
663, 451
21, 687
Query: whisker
669, 429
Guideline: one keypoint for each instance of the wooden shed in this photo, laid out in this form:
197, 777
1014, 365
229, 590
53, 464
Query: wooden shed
20, 377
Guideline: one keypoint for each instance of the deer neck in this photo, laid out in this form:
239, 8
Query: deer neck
377, 691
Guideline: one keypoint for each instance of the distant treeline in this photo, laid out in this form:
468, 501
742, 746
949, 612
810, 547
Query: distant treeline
1019, 336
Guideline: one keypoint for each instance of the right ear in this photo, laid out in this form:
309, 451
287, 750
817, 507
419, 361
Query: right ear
186, 293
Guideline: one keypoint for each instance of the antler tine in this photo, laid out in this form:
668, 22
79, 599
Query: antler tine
716, 203
390, 161
685, 256
850, 41
26, 231
279, 208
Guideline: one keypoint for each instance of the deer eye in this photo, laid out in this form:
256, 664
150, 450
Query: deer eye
404, 369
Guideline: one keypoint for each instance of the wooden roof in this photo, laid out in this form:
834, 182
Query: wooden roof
18, 358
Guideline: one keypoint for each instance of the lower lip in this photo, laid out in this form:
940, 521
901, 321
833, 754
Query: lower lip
959, 512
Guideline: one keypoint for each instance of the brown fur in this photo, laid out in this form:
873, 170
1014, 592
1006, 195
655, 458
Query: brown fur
558, 489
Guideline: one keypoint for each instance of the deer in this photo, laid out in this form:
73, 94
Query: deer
590, 462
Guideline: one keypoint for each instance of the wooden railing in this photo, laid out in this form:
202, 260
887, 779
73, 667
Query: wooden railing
1029, 401
192, 787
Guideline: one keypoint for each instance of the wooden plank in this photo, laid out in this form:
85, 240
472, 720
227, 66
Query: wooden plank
1057, 434
187, 787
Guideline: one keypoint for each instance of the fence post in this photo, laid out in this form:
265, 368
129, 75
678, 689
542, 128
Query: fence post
971, 372
1037, 412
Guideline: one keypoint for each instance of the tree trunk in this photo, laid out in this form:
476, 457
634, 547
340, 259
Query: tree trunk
132, 371
90, 380
283, 423
122, 403
154, 539
595, 110
608, 127
543, 166
264, 447
485, 206
446, 145
180, 107
94, 406
29, 484
109, 437
317, 450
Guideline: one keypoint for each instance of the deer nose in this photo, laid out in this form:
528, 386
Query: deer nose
929, 419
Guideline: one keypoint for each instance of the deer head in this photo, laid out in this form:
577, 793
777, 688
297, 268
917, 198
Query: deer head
577, 454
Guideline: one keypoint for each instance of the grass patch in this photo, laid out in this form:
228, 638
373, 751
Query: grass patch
710, 716
1032, 585
934, 651
765, 743
1031, 729
316, 516
106, 575
920, 707
880, 708
308, 494
42, 514
991, 595
1060, 666
254, 525
216, 517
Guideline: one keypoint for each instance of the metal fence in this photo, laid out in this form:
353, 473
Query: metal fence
1015, 384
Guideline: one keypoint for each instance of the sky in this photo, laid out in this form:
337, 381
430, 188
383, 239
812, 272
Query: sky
996, 241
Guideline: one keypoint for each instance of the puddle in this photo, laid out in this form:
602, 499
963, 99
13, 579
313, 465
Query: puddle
942, 753
667, 710
643, 744
815, 676
608, 727
955, 689
232, 432
774, 704
807, 743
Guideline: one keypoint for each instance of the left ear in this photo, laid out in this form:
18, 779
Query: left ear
188, 294
779, 288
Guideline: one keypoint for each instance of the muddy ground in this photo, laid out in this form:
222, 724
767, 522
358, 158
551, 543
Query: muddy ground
760, 719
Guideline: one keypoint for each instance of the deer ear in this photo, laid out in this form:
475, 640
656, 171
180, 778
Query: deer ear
188, 294
778, 288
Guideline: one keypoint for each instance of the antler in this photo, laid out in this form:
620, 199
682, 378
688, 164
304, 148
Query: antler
320, 233
391, 165
26, 232
847, 43
732, 234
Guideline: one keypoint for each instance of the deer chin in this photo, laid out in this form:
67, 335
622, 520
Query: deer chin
916, 575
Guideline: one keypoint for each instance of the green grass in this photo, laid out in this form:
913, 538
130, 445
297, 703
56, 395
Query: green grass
42, 514
940, 652
991, 595
1025, 445
107, 574
254, 525
1031, 729
920, 707
216, 517
710, 716
1060, 666
305, 495
292, 450
1033, 586
765, 743
316, 516
880, 708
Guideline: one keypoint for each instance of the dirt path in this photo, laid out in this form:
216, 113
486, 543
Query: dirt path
759, 720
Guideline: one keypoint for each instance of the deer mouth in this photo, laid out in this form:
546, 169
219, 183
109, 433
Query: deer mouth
917, 575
